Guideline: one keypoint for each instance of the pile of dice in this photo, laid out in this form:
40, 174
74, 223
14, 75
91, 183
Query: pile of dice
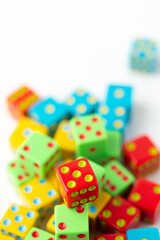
75, 174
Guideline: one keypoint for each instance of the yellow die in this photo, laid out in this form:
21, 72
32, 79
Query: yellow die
96, 207
25, 128
52, 179
65, 139
18, 220
51, 224
40, 196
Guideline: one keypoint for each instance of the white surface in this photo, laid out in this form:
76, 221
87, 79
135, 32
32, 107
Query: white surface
55, 46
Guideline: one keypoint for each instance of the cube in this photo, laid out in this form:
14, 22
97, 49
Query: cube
20, 101
141, 155
120, 95
114, 145
81, 103
144, 56
118, 179
116, 236
64, 137
118, 216
17, 173
143, 233
49, 113
39, 153
17, 221
77, 182
51, 224
39, 235
71, 223
26, 127
96, 207
40, 196
146, 196
90, 137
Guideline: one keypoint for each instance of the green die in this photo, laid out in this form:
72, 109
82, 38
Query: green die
17, 173
114, 145
38, 234
118, 178
71, 223
39, 153
90, 136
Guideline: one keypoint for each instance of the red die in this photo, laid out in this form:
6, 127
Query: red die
118, 215
146, 195
116, 236
141, 156
77, 182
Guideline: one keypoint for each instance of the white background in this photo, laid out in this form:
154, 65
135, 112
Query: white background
55, 46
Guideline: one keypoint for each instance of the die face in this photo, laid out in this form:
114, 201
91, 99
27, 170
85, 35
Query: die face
65, 139
48, 112
20, 101
36, 233
115, 117
114, 145
118, 178
51, 224
90, 137
115, 236
144, 55
24, 130
77, 182
143, 233
72, 223
81, 103
149, 206
42, 201
17, 173
18, 220
39, 153
141, 155
119, 215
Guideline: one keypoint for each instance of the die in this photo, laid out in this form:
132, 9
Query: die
116, 236
40, 196
118, 216
48, 112
26, 127
17, 173
120, 95
77, 182
39, 235
71, 223
90, 137
51, 224
81, 103
143, 233
20, 101
114, 117
141, 155
114, 150
96, 207
39, 153
118, 179
144, 56
64, 137
146, 196
17, 221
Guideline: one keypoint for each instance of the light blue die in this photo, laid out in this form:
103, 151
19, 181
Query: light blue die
144, 55
49, 113
81, 103
143, 234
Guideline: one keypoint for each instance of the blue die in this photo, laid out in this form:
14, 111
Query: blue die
81, 103
143, 234
144, 55
49, 113
120, 96
115, 118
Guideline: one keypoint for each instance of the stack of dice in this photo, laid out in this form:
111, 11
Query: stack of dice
74, 173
